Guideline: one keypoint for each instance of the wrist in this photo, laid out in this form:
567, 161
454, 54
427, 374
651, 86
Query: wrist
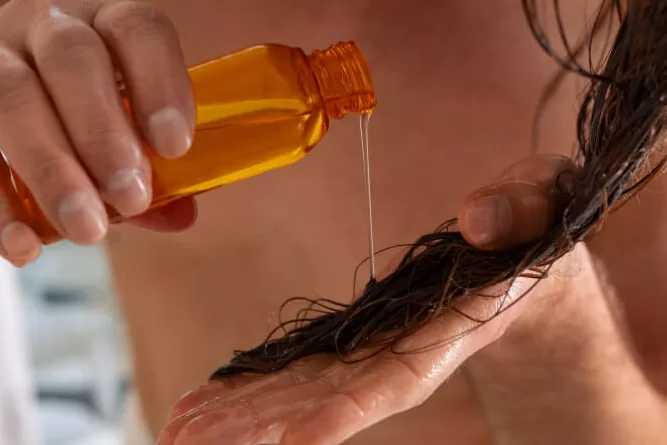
549, 308
563, 372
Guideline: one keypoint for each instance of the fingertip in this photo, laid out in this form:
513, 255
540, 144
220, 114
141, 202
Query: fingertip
225, 425
486, 219
195, 398
169, 132
505, 216
20, 244
128, 192
83, 218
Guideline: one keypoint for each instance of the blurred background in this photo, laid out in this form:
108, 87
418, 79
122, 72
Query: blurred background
64, 362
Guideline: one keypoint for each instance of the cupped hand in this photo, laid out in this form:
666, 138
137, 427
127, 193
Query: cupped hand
321, 401
64, 128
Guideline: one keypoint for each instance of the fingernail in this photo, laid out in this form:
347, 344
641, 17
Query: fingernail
169, 133
20, 243
128, 193
488, 219
83, 218
232, 425
567, 182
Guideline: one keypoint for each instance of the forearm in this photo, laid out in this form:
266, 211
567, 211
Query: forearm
565, 376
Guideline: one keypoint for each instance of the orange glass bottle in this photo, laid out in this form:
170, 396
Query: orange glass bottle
258, 109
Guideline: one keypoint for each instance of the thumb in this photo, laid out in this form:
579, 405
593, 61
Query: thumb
521, 206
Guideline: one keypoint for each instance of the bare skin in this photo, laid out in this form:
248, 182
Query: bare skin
457, 83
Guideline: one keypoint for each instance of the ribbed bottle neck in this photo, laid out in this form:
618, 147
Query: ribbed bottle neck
344, 79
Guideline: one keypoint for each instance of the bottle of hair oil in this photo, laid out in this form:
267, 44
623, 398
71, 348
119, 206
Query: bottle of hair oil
258, 109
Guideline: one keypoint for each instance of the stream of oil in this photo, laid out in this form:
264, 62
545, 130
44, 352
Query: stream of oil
363, 126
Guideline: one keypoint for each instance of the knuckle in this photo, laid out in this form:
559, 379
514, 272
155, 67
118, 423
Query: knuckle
100, 137
401, 366
362, 406
340, 393
45, 172
62, 40
413, 380
104, 147
132, 19
98, 134
15, 78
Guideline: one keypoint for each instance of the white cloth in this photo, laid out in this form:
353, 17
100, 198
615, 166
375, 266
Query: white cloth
19, 423
135, 430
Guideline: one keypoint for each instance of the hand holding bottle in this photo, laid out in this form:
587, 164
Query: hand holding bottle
64, 128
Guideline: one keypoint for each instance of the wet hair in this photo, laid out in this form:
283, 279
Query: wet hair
620, 147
